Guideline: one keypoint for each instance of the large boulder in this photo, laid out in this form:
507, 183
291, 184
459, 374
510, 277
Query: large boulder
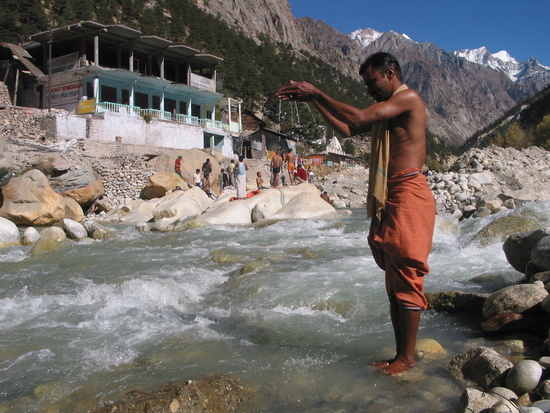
513, 299
540, 254
86, 195
293, 202
501, 228
9, 234
162, 183
73, 210
72, 179
210, 394
182, 204
29, 200
518, 246
482, 366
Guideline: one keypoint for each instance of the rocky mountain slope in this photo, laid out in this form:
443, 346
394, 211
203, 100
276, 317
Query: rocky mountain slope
462, 97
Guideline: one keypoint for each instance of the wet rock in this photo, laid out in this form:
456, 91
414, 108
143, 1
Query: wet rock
503, 406
429, 349
73, 229
456, 302
507, 323
543, 389
30, 236
55, 233
527, 409
481, 366
518, 246
44, 244
513, 299
543, 405
501, 228
540, 254
503, 393
524, 376
208, 395
475, 401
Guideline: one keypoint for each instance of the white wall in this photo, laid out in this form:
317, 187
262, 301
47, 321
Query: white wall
106, 126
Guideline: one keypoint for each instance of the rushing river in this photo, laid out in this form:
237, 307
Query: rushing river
297, 310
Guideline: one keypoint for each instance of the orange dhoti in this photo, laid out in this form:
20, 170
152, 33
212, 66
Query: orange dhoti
402, 240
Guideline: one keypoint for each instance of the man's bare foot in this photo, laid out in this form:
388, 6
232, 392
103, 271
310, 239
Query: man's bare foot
396, 367
384, 364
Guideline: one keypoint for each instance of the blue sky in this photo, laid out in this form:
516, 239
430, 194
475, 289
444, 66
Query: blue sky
519, 27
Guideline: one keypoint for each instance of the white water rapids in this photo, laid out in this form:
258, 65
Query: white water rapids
297, 310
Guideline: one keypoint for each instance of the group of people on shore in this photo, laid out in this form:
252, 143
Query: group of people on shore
234, 175
294, 165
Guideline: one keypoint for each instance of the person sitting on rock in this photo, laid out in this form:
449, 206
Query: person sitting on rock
301, 174
325, 196
260, 180
206, 187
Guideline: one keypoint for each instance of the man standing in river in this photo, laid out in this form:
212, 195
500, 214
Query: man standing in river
399, 202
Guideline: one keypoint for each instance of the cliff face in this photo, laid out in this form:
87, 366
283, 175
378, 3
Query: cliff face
461, 97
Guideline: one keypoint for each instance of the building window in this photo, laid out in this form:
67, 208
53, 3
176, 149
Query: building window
156, 102
108, 94
196, 110
141, 100
169, 105
183, 108
125, 96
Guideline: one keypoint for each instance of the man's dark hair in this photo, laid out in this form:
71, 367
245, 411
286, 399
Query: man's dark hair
381, 60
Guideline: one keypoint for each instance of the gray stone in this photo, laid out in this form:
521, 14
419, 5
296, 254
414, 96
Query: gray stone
55, 233
503, 406
540, 254
513, 299
544, 405
481, 366
6, 164
30, 236
543, 389
545, 361
530, 409
524, 376
503, 393
475, 401
517, 247
73, 229
9, 234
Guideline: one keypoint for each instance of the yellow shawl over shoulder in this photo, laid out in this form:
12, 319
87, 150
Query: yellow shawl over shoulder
378, 171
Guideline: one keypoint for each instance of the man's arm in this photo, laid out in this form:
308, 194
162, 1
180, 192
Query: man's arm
346, 118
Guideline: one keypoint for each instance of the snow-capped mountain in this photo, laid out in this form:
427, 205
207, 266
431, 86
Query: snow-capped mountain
502, 62
364, 37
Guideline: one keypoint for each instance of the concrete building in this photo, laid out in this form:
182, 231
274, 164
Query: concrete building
110, 82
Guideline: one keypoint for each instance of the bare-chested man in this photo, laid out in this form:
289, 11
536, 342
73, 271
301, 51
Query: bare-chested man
400, 203
276, 163
290, 159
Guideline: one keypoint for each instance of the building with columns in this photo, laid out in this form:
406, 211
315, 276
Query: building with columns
112, 82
